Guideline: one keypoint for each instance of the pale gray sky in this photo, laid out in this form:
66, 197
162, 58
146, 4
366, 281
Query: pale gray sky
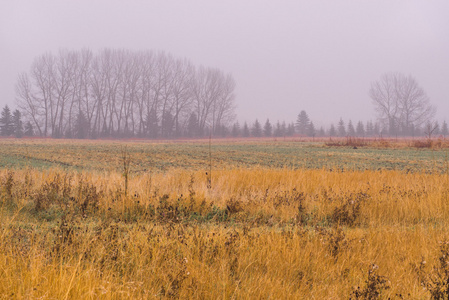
320, 56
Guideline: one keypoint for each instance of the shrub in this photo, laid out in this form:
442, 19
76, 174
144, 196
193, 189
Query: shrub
374, 285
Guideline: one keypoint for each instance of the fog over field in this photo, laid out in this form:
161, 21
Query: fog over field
199, 149
285, 56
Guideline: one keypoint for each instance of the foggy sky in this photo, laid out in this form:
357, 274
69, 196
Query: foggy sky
285, 56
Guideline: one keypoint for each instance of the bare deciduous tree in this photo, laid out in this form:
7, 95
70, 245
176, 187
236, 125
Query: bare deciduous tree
401, 104
124, 93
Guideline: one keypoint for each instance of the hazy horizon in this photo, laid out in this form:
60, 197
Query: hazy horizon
285, 57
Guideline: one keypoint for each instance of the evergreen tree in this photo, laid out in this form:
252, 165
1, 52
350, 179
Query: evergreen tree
369, 128
444, 129
412, 130
341, 128
29, 130
6, 122
376, 129
284, 128
105, 130
18, 125
245, 131
277, 130
311, 130
393, 128
291, 129
192, 125
167, 124
256, 130
437, 129
351, 130
332, 131
235, 129
221, 130
151, 121
360, 129
302, 122
267, 128
81, 126
321, 132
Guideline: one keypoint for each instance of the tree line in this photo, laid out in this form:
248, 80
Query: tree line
11, 124
121, 93
147, 94
305, 126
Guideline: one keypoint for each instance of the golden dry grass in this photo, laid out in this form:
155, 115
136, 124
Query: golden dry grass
256, 233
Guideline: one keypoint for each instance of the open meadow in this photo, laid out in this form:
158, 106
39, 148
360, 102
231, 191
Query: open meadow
234, 219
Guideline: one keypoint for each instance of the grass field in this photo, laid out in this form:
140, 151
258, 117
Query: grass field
274, 219
194, 155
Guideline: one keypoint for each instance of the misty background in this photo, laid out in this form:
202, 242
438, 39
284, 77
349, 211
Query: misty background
285, 56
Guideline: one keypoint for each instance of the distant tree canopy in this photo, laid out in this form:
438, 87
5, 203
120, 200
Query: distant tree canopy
123, 93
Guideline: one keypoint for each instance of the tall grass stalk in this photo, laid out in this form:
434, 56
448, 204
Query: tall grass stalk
126, 160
